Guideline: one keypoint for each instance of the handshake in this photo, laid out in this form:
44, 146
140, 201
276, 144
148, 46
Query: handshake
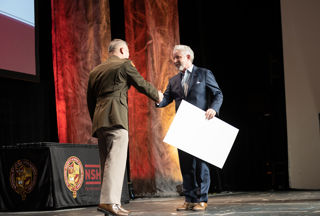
160, 96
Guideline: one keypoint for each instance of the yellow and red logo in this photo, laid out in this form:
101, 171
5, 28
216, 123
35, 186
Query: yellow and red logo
73, 174
23, 177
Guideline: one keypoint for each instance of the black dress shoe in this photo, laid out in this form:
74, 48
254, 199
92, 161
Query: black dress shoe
111, 209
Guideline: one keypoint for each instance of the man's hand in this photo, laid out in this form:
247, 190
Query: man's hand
160, 96
210, 113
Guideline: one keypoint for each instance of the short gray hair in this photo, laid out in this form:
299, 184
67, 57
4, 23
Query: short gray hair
114, 44
185, 50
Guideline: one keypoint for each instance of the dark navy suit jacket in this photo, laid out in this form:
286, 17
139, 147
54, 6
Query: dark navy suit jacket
203, 90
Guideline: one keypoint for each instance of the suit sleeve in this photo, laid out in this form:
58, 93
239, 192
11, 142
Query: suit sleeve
167, 97
139, 82
216, 93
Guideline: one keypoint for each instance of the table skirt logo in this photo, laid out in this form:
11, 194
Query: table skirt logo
23, 177
73, 174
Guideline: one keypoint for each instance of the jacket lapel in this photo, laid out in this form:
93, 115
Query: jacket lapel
193, 77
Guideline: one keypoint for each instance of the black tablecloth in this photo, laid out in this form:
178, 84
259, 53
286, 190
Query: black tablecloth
37, 176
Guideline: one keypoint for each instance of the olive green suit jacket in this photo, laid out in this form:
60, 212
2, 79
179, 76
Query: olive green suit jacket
107, 94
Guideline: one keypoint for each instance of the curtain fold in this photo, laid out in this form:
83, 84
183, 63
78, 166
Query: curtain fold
80, 36
152, 29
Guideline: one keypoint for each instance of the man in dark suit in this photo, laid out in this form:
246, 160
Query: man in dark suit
107, 97
199, 87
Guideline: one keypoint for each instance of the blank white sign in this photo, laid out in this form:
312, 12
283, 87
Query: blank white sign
210, 140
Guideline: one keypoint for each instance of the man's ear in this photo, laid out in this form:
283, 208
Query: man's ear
121, 50
188, 56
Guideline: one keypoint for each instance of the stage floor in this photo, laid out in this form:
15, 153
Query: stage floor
226, 203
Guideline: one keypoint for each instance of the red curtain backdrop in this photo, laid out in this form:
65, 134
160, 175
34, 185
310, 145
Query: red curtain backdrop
80, 38
152, 29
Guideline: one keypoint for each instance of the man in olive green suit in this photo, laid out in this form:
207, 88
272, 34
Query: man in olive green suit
107, 97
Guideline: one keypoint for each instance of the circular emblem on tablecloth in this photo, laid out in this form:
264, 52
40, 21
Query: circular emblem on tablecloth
23, 177
73, 174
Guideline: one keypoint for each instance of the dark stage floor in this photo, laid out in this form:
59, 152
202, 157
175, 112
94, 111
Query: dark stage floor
222, 204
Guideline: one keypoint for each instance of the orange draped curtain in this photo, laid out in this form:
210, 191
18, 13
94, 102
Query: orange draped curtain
80, 38
152, 29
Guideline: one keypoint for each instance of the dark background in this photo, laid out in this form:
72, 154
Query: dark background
240, 41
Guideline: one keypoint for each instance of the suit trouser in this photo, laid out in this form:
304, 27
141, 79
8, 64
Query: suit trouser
196, 177
113, 147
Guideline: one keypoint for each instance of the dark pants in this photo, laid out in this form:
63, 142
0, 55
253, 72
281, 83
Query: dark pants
196, 177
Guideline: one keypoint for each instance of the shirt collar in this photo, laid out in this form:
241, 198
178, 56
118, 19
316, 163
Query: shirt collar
188, 69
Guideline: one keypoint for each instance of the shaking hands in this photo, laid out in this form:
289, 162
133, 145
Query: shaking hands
160, 96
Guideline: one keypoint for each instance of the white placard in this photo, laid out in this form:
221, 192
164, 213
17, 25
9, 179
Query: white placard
210, 140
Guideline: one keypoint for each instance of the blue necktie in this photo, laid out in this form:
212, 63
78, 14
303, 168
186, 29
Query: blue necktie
184, 82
